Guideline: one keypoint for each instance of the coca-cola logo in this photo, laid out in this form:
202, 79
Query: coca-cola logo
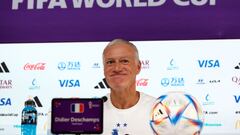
38, 66
142, 82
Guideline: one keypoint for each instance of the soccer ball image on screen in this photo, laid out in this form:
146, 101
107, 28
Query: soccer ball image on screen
176, 113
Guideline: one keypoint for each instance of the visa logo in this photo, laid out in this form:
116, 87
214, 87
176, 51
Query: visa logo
237, 98
208, 63
69, 83
5, 102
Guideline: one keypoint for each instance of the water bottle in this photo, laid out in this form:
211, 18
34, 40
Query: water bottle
29, 118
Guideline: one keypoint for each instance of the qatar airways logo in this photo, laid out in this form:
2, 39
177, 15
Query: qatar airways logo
236, 80
37, 66
145, 64
5, 84
142, 82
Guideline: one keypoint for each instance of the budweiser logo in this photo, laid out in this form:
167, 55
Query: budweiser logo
38, 66
142, 82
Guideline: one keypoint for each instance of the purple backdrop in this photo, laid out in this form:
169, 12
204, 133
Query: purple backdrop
166, 22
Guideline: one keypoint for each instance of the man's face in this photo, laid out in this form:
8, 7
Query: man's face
120, 66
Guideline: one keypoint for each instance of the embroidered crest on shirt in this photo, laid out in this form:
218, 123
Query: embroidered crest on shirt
120, 129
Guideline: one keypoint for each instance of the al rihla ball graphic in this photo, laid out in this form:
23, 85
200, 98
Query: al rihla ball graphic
176, 113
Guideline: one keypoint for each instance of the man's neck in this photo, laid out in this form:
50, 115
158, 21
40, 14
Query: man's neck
124, 99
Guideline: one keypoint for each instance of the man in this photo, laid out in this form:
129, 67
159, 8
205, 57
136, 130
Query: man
127, 111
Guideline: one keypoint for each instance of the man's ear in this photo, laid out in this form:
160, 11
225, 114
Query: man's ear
139, 67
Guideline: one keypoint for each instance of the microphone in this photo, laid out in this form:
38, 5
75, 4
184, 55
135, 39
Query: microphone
104, 98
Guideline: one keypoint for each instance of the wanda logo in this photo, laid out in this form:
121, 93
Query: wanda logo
142, 82
38, 66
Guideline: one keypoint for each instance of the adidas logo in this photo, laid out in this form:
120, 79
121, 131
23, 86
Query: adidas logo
3, 68
238, 66
102, 85
37, 101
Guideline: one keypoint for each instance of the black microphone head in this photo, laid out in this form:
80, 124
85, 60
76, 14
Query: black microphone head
104, 98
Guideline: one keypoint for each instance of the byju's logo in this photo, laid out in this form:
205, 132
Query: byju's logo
208, 63
102, 85
172, 65
216, 124
3, 68
237, 98
5, 84
173, 81
69, 65
238, 66
5, 102
69, 83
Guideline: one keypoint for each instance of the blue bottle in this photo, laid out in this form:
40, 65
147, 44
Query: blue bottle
29, 118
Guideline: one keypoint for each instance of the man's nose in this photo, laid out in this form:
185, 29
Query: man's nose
117, 66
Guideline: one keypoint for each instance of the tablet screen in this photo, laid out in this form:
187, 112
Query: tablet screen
77, 116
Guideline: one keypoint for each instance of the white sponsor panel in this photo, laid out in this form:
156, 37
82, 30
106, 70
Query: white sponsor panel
206, 69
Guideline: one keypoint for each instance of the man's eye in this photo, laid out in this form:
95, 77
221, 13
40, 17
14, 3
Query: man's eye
124, 61
110, 62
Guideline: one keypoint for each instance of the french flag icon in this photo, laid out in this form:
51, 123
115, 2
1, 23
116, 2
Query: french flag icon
77, 108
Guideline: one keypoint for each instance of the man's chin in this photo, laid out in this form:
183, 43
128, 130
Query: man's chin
118, 80
118, 77
118, 86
